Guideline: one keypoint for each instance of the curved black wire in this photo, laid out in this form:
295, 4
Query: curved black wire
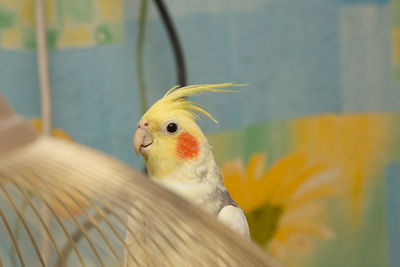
175, 43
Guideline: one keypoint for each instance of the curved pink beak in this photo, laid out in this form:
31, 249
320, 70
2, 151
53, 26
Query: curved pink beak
142, 138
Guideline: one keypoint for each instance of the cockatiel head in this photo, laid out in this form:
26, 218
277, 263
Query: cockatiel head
168, 137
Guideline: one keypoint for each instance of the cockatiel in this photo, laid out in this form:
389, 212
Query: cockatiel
179, 157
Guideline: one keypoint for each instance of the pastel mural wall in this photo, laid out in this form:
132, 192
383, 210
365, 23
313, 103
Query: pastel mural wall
70, 23
310, 149
316, 194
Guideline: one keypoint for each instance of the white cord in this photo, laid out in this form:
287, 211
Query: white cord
43, 67
46, 108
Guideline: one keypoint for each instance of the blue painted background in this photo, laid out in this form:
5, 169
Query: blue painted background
299, 57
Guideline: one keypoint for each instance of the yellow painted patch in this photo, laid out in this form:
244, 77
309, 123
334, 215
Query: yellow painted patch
76, 36
109, 9
10, 38
396, 45
11, 3
356, 142
26, 13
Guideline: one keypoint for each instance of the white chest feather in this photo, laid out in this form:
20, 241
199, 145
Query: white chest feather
193, 191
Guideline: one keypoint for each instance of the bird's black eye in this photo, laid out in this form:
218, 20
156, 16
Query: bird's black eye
172, 127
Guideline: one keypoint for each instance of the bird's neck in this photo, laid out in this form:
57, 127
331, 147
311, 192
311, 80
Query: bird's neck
201, 168
198, 182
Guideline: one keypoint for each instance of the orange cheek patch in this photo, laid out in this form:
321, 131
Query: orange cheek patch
188, 146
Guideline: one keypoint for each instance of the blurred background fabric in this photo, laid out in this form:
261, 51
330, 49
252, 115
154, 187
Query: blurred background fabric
310, 149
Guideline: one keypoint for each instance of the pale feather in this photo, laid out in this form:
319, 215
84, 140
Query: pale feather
234, 218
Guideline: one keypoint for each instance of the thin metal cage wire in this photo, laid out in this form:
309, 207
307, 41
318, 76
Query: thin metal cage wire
94, 201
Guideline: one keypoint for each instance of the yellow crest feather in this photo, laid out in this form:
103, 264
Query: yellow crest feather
175, 98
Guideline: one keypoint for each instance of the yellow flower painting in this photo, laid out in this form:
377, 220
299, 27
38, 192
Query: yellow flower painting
314, 185
283, 203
